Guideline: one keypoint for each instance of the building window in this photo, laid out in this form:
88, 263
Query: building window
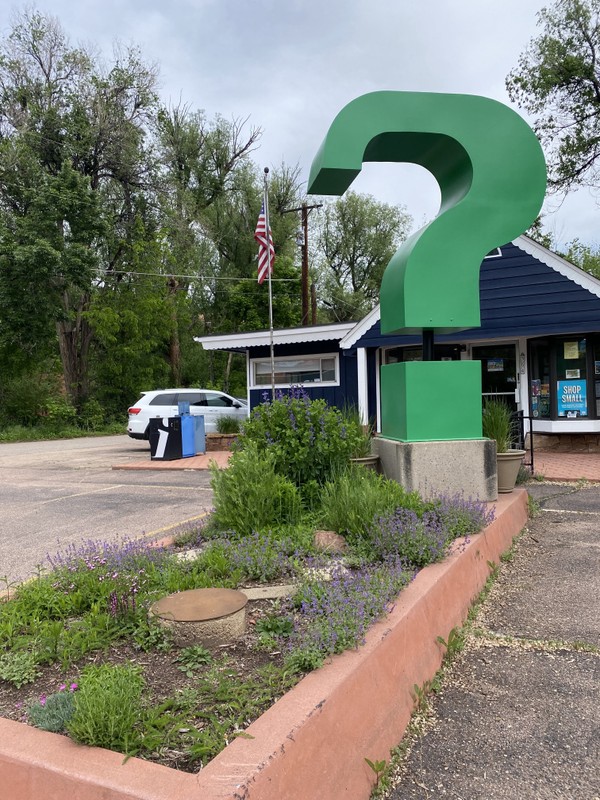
296, 370
442, 352
561, 385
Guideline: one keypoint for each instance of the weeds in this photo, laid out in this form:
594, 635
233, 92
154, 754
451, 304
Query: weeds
455, 643
191, 659
533, 506
19, 667
378, 767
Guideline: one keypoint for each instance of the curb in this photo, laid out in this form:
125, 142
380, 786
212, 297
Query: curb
313, 742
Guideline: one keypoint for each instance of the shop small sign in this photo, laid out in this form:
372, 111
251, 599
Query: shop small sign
572, 398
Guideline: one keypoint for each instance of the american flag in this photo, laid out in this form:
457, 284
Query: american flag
266, 251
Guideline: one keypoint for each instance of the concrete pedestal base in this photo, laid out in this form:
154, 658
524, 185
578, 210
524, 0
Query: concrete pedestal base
466, 465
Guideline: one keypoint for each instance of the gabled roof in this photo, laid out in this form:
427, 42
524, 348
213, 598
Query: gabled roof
307, 333
528, 291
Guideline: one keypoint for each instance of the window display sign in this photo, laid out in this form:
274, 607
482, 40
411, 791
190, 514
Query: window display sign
495, 365
572, 398
535, 397
571, 350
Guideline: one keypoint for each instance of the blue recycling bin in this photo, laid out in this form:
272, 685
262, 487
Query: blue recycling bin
193, 439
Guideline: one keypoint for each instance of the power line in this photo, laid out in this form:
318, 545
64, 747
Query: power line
165, 275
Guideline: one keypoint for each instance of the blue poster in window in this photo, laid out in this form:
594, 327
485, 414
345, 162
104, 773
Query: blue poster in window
572, 399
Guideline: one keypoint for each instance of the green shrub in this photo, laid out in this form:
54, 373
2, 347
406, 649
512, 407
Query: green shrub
228, 425
309, 440
108, 707
59, 412
356, 496
24, 398
250, 496
18, 667
91, 417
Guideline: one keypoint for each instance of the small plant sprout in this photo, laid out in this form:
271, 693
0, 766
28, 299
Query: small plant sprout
454, 644
378, 767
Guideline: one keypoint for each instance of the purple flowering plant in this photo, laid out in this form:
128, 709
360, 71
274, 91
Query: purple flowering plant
333, 616
309, 439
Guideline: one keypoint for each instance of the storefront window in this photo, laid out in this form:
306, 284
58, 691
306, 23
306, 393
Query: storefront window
571, 378
560, 376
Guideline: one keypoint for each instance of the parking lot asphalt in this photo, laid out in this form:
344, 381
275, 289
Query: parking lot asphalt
57, 493
518, 712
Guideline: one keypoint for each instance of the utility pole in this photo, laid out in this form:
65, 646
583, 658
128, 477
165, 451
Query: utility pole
304, 209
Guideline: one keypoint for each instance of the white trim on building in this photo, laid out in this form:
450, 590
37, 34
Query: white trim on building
308, 333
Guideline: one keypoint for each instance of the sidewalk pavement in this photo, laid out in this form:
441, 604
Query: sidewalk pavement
554, 466
220, 457
518, 712
548, 465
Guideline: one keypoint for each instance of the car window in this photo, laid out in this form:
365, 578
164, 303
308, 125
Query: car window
193, 398
219, 400
164, 400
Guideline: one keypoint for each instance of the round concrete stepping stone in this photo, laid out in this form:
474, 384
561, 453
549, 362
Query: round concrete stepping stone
202, 616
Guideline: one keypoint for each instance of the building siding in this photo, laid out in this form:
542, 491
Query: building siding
519, 296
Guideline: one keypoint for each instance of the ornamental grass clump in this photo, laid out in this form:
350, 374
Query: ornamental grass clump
108, 707
250, 495
354, 497
309, 439
498, 423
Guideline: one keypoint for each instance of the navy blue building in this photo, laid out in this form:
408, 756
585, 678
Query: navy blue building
539, 345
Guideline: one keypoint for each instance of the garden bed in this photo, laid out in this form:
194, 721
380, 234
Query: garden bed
86, 659
314, 741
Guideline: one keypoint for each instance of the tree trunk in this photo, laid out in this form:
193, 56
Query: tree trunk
174, 344
227, 372
74, 339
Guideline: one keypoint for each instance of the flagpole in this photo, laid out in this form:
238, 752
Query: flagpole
267, 228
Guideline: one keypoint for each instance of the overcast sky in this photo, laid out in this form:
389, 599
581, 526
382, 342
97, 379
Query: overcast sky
291, 65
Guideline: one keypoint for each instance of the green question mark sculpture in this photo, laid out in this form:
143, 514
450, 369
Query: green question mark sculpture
492, 175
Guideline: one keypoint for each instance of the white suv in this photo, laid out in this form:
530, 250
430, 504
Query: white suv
164, 403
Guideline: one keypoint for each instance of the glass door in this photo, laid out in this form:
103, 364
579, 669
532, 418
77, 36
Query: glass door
498, 371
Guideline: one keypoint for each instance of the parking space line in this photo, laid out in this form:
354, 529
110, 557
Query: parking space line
81, 494
176, 525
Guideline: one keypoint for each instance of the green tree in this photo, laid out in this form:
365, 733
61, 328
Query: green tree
355, 238
557, 81
200, 161
584, 256
79, 130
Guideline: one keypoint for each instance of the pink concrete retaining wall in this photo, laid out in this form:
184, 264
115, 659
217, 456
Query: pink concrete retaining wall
313, 742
